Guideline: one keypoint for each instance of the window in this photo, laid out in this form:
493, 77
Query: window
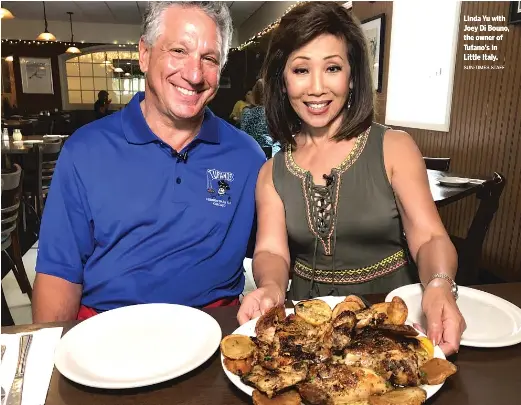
114, 70
421, 64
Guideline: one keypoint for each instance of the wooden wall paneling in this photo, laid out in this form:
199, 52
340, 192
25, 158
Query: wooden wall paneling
485, 134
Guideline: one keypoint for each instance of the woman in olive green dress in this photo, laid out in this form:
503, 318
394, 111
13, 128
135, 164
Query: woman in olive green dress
347, 203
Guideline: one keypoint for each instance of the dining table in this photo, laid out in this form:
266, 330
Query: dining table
444, 195
12, 147
485, 376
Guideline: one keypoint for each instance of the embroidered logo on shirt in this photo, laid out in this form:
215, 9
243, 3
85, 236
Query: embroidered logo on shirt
218, 186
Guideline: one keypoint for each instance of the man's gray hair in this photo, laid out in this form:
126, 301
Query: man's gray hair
216, 10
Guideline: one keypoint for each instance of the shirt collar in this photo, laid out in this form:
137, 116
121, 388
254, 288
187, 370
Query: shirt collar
138, 132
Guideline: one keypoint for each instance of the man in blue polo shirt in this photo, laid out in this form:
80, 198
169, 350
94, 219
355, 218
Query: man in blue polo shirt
154, 203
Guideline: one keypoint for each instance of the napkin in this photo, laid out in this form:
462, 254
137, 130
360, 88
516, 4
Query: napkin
39, 366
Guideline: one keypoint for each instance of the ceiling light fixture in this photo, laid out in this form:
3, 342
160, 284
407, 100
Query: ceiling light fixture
5, 14
9, 58
72, 49
46, 35
118, 70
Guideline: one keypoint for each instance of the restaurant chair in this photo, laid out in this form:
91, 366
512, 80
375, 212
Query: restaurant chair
39, 170
469, 248
11, 251
442, 164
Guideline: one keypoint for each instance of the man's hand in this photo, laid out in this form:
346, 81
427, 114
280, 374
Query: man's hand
258, 302
445, 324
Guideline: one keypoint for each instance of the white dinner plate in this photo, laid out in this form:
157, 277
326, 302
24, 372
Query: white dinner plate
137, 345
248, 329
454, 181
491, 320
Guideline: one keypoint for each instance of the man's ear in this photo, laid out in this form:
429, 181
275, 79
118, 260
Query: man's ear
144, 55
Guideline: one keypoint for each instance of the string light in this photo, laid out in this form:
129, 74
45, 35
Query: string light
266, 30
65, 43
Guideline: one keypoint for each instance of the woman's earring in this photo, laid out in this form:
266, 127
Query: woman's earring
350, 99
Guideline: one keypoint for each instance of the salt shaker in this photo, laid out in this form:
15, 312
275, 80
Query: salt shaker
17, 135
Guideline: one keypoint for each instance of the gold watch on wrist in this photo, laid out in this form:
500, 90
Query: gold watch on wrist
453, 285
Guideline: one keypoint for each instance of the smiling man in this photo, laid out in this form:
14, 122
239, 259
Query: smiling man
154, 203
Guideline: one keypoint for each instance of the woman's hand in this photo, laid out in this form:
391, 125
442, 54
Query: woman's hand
259, 301
445, 324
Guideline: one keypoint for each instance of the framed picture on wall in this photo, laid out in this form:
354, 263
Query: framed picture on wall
514, 16
374, 29
36, 75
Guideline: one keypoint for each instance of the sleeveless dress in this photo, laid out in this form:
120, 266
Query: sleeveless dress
346, 237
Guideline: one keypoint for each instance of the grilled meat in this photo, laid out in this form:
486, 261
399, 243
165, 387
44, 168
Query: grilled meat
332, 384
272, 381
400, 396
395, 357
267, 324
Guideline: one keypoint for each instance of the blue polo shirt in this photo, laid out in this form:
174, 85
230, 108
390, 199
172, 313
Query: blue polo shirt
134, 224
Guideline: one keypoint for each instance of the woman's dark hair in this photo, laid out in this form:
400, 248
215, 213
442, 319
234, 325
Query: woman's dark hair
297, 28
258, 92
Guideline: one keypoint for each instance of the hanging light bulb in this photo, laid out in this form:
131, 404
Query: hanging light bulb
5, 14
9, 58
72, 49
46, 35
118, 70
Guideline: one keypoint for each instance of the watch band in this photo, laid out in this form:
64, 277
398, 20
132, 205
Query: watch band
453, 285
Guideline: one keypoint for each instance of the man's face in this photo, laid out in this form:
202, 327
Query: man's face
183, 66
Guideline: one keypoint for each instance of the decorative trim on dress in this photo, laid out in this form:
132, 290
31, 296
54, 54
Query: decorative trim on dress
354, 276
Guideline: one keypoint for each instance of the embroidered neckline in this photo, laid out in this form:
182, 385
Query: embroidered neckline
351, 158
307, 180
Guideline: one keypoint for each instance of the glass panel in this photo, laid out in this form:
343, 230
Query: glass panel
135, 85
135, 55
125, 98
126, 86
73, 69
113, 84
142, 84
98, 57
88, 97
100, 69
75, 97
115, 96
86, 58
87, 83
100, 84
73, 83
73, 60
86, 69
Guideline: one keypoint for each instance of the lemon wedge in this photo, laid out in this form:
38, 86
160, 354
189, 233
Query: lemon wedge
427, 345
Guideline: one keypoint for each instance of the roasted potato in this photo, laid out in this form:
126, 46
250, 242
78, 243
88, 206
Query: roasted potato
357, 300
388, 313
343, 307
436, 371
237, 347
286, 398
238, 367
397, 311
400, 396
314, 312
